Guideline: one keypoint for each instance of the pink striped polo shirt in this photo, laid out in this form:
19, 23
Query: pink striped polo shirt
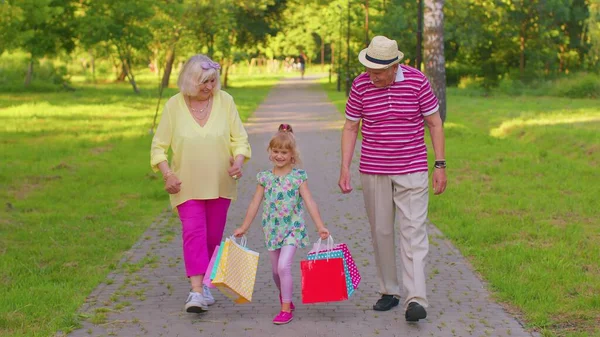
393, 127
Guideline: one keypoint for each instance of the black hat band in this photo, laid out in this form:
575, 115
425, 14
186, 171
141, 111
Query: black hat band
378, 61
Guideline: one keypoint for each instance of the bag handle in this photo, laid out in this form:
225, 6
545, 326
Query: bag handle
243, 240
328, 247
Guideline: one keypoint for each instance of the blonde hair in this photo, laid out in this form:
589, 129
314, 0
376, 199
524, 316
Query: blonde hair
285, 139
192, 74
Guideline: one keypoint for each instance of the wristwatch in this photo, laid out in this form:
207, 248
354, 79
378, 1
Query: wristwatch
440, 164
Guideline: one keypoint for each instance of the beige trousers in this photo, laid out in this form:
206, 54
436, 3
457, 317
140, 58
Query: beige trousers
402, 199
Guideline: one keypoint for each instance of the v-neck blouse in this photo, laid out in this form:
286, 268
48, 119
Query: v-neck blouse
200, 157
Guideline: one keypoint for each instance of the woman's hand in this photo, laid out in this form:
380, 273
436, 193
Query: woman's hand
235, 170
240, 231
324, 233
172, 184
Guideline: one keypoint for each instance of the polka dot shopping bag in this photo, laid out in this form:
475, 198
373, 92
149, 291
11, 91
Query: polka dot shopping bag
353, 273
236, 272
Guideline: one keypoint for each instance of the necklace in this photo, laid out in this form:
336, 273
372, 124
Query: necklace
201, 112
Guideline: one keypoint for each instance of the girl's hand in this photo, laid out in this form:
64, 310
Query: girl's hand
239, 232
172, 184
324, 233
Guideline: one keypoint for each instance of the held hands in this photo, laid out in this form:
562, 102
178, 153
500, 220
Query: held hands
235, 170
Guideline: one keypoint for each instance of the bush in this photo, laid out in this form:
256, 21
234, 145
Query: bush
47, 75
472, 86
578, 86
511, 87
456, 71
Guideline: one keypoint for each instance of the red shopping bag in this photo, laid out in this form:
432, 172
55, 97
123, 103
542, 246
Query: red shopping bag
323, 280
329, 246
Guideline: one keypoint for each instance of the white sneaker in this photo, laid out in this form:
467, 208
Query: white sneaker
208, 297
195, 303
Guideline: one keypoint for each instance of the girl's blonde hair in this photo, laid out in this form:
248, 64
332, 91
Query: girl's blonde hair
198, 69
284, 139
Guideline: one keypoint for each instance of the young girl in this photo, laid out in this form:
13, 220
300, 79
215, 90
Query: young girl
284, 193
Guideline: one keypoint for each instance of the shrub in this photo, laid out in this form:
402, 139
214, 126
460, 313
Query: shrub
578, 86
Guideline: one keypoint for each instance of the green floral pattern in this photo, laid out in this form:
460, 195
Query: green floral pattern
283, 209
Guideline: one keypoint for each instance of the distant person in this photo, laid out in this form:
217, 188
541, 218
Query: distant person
283, 192
394, 103
302, 63
202, 127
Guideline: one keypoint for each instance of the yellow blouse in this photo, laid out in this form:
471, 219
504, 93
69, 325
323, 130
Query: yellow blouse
200, 157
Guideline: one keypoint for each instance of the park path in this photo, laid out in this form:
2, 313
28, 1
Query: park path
145, 295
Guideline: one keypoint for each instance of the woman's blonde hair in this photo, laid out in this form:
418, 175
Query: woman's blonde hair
198, 69
284, 139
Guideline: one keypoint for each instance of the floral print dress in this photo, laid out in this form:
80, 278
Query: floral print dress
283, 209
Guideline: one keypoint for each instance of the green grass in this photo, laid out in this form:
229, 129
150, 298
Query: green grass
77, 191
522, 203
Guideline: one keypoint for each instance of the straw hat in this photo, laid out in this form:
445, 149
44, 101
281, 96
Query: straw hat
381, 53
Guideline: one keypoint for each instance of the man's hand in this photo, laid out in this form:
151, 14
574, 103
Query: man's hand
344, 182
439, 180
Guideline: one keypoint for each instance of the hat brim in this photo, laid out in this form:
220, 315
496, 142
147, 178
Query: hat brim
362, 58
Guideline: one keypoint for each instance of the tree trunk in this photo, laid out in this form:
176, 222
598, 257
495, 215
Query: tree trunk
93, 62
226, 65
123, 74
29, 75
366, 23
522, 50
125, 61
130, 76
322, 54
435, 63
168, 67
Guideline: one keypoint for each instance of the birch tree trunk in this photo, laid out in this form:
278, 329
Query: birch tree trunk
435, 63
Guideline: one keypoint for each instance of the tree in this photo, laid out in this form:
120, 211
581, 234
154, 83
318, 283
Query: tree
124, 26
10, 19
46, 27
435, 64
592, 37
167, 24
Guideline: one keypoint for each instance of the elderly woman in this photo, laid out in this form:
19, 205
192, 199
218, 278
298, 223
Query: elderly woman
209, 146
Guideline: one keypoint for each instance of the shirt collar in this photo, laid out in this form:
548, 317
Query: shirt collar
399, 74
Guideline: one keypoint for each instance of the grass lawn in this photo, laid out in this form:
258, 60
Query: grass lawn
77, 191
522, 203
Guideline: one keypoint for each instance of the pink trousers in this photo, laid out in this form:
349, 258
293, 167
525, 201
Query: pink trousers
202, 225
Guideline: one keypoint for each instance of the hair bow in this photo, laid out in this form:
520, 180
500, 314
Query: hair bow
210, 65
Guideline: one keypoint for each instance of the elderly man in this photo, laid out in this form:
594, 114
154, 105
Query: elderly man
394, 103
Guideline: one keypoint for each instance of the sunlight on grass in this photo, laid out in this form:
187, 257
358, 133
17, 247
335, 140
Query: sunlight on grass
522, 207
507, 126
77, 193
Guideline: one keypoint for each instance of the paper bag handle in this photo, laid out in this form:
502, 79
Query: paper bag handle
243, 240
328, 247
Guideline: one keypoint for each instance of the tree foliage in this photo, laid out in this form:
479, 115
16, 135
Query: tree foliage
490, 39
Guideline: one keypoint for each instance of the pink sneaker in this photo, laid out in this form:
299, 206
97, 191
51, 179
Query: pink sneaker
292, 306
283, 318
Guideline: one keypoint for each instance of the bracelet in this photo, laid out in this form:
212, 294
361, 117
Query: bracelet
168, 174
